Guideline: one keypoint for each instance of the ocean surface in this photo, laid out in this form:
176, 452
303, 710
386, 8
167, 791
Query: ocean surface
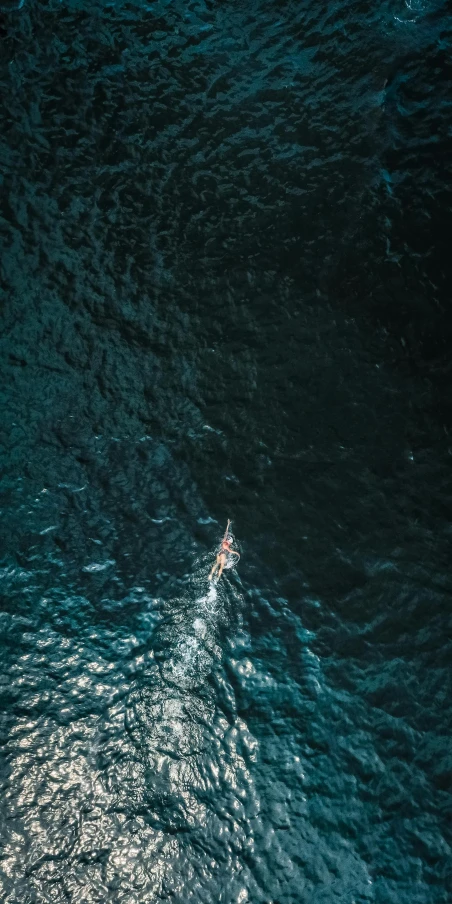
226, 277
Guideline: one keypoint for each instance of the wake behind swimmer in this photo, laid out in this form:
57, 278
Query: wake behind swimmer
222, 555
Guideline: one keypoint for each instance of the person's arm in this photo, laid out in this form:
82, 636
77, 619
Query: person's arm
227, 530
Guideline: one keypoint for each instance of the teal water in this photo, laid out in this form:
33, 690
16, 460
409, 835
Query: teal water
225, 276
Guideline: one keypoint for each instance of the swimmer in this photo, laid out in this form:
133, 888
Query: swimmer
222, 555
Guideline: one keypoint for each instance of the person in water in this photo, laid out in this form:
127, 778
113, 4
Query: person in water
222, 554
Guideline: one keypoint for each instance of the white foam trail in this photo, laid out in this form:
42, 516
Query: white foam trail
173, 715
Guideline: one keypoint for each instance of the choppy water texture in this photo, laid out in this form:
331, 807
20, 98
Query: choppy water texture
225, 293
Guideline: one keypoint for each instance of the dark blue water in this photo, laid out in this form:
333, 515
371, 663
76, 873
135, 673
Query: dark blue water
225, 270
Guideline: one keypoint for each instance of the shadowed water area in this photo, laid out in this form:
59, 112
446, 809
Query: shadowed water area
225, 292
